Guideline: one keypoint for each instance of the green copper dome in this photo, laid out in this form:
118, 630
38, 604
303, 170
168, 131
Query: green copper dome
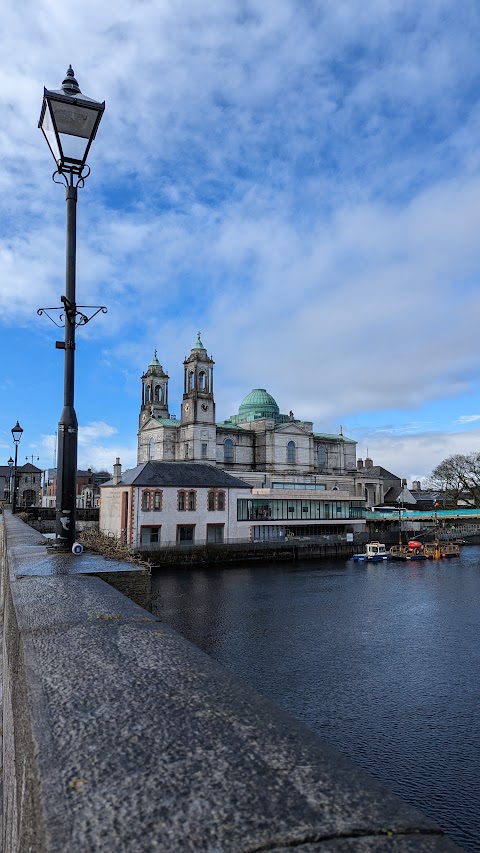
258, 404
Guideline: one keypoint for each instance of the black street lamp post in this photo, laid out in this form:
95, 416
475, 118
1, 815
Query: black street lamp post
10, 464
69, 121
17, 433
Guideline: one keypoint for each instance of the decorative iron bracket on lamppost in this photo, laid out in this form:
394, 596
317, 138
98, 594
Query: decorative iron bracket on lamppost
68, 313
69, 121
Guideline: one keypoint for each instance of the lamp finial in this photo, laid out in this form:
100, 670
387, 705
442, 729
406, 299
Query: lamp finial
70, 84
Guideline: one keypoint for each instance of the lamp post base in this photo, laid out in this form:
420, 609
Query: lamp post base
66, 479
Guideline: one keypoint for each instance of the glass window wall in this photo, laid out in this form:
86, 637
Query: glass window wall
278, 509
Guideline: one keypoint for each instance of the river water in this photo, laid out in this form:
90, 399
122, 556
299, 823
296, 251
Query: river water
381, 660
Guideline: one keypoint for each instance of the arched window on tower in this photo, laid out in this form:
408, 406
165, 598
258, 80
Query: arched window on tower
291, 452
228, 450
202, 381
158, 393
191, 380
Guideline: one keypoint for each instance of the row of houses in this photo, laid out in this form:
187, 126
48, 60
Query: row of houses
38, 488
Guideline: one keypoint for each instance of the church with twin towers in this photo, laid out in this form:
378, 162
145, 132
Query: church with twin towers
258, 444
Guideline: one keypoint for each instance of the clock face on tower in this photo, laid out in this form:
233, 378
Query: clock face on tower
144, 416
204, 407
187, 407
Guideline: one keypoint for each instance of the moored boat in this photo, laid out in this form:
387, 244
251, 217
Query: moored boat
441, 550
374, 552
413, 550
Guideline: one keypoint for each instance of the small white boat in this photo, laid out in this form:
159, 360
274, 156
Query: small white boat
374, 552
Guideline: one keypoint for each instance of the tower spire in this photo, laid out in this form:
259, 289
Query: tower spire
198, 404
154, 392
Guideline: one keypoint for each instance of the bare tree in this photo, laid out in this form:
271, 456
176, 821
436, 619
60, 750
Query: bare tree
458, 478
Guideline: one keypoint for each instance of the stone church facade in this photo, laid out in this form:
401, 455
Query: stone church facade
259, 444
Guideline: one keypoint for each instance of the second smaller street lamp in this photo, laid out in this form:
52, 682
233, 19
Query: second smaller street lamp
69, 121
17, 433
10, 464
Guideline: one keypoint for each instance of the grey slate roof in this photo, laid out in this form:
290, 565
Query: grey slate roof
378, 471
183, 474
392, 494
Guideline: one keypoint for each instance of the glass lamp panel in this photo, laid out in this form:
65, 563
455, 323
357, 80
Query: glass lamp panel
74, 119
48, 129
74, 148
17, 432
76, 126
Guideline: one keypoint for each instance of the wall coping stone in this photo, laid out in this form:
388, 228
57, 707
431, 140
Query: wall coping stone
129, 738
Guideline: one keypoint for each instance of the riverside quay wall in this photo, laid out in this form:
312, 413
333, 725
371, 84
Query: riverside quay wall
224, 555
119, 735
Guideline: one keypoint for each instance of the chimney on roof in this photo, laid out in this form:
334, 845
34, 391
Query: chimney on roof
368, 462
359, 464
117, 472
416, 486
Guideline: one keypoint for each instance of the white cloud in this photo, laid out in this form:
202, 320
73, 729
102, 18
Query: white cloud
102, 457
98, 447
93, 431
414, 457
467, 419
300, 182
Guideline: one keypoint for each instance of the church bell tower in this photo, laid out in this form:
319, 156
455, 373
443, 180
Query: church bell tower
154, 392
198, 405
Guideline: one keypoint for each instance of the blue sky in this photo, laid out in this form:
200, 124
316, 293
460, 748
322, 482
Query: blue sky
300, 181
